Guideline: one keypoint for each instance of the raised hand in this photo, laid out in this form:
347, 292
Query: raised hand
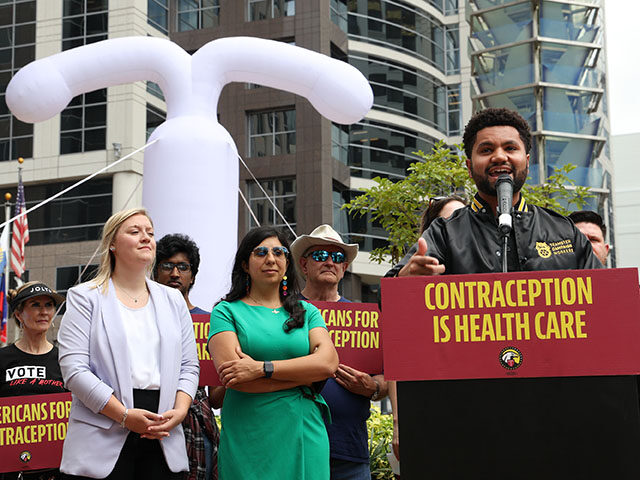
420, 264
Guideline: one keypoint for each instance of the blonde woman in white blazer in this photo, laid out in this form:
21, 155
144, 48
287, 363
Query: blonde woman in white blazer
128, 355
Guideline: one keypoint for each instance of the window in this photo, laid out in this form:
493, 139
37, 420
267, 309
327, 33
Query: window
410, 30
340, 142
339, 13
196, 14
76, 216
155, 117
264, 9
158, 14
67, 277
17, 48
83, 124
154, 89
83, 22
453, 109
376, 149
272, 133
282, 192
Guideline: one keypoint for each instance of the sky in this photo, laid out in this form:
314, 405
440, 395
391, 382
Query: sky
623, 65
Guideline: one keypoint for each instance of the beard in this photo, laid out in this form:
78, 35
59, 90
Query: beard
485, 186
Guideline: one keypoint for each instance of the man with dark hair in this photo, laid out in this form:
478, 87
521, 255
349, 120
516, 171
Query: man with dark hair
177, 263
495, 117
497, 142
591, 224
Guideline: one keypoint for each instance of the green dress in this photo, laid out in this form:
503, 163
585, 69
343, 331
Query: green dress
278, 435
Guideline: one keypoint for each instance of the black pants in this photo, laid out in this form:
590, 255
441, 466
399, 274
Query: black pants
140, 458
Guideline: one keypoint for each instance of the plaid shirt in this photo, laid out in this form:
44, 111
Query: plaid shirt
199, 423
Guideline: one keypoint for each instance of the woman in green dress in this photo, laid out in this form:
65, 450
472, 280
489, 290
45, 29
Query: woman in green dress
268, 349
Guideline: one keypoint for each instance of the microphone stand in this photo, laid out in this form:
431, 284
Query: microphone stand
505, 247
504, 192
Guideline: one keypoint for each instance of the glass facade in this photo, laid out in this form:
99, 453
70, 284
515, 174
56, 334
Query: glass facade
411, 41
545, 59
17, 48
406, 29
409, 92
379, 150
556, 83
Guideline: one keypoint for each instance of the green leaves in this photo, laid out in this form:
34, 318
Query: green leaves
398, 206
559, 191
380, 430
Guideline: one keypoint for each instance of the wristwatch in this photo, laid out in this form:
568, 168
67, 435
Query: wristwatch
376, 394
268, 369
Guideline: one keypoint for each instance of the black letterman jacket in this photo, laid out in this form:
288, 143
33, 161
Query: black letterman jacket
469, 242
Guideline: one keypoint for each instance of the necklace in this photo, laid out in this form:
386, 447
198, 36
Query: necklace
135, 299
275, 310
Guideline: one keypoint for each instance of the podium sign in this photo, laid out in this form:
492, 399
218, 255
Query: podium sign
32, 431
524, 324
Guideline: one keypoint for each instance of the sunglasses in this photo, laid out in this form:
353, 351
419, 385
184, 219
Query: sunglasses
169, 266
432, 200
323, 256
277, 251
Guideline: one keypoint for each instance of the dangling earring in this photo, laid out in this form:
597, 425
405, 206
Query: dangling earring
248, 284
284, 286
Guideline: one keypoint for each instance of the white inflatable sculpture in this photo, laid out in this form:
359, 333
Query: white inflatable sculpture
194, 151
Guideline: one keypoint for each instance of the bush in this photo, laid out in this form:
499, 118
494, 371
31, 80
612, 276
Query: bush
380, 429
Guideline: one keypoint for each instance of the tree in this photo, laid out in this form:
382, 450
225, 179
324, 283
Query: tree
397, 206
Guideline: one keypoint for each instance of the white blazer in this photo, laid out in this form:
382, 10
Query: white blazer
95, 364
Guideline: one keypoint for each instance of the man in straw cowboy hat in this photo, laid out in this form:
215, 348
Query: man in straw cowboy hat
322, 259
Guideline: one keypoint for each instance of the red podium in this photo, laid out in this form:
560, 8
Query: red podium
529, 374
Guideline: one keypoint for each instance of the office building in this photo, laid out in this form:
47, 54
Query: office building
541, 57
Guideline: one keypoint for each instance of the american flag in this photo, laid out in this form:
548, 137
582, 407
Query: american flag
4, 247
20, 234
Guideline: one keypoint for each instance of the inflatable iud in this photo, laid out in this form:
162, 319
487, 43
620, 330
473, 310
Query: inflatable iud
193, 148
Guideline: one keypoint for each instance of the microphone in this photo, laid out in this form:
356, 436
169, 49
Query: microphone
504, 189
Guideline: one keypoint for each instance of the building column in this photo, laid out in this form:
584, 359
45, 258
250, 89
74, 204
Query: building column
127, 191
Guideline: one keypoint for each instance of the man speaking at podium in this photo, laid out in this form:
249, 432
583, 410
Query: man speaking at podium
562, 427
497, 142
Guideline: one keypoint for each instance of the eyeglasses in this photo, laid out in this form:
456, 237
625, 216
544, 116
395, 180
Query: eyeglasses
323, 256
277, 251
169, 266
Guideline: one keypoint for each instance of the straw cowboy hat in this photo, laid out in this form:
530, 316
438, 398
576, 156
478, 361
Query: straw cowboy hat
322, 235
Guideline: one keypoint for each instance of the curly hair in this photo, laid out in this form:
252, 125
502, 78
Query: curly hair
241, 281
495, 117
174, 243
